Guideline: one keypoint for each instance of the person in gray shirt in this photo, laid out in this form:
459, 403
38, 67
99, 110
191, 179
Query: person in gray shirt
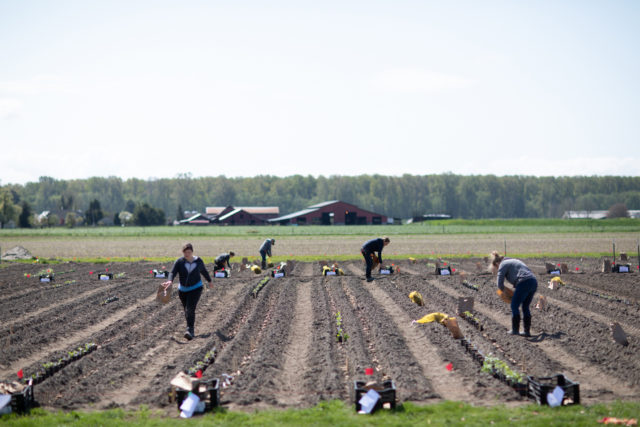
525, 283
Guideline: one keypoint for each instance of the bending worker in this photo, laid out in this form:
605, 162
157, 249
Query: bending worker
222, 261
265, 250
189, 268
368, 249
519, 275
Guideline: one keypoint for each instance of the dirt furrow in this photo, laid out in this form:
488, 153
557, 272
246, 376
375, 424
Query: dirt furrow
289, 382
170, 351
447, 384
74, 340
590, 377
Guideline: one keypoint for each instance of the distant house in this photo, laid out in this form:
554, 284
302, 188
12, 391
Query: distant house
333, 212
428, 217
594, 214
257, 214
197, 219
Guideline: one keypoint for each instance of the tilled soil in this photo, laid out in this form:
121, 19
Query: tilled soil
281, 346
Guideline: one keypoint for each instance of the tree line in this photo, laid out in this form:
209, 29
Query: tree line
462, 196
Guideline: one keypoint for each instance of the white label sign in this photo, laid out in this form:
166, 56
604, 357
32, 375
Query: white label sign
330, 273
161, 275
220, 274
104, 277
623, 269
45, 279
278, 275
385, 271
444, 272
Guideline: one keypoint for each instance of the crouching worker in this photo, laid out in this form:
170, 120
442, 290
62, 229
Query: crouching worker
368, 249
525, 283
222, 261
265, 250
189, 268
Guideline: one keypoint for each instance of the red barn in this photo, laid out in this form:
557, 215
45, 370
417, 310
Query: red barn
330, 213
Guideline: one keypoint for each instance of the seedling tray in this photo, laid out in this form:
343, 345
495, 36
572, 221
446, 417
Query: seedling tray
46, 278
22, 402
278, 273
539, 387
208, 391
387, 394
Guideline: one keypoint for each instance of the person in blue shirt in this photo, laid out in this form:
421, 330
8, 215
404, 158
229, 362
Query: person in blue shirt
368, 249
189, 268
265, 250
525, 283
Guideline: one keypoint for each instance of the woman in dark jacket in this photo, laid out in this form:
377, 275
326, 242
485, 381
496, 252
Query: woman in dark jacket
189, 268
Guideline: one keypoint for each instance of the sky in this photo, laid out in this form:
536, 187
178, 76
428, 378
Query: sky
153, 89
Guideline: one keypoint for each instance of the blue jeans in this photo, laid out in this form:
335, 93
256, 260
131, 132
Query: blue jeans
369, 261
264, 259
523, 295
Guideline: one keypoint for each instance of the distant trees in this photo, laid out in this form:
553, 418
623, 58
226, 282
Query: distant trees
8, 210
94, 213
618, 210
477, 196
25, 217
145, 215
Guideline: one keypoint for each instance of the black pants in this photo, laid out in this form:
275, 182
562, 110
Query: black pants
264, 259
369, 260
189, 302
218, 267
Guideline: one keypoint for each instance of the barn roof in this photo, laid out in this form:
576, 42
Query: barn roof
294, 214
230, 214
216, 210
323, 204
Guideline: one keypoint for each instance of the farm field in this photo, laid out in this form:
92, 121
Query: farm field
281, 348
298, 246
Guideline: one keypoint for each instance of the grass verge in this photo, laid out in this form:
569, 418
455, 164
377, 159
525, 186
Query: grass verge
337, 413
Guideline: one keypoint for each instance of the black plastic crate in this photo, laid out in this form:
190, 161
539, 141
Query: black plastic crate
278, 273
539, 387
221, 273
622, 268
208, 391
387, 394
22, 402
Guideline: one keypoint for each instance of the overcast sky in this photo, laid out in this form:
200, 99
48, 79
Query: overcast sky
151, 89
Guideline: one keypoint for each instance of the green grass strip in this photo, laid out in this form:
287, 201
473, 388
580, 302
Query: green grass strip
337, 413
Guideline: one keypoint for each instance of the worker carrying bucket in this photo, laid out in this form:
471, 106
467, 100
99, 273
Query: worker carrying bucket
369, 250
265, 250
525, 283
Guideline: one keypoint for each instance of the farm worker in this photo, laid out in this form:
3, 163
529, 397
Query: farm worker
368, 249
265, 250
222, 260
525, 283
189, 268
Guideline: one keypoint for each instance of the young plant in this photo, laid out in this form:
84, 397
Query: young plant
341, 335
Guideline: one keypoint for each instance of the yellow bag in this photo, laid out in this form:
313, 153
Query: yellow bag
416, 297
557, 281
256, 269
433, 317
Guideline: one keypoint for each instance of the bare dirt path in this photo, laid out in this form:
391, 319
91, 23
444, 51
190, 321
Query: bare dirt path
297, 349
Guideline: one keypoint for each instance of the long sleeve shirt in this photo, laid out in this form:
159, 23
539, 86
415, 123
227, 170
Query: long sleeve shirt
189, 273
374, 245
514, 271
266, 247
